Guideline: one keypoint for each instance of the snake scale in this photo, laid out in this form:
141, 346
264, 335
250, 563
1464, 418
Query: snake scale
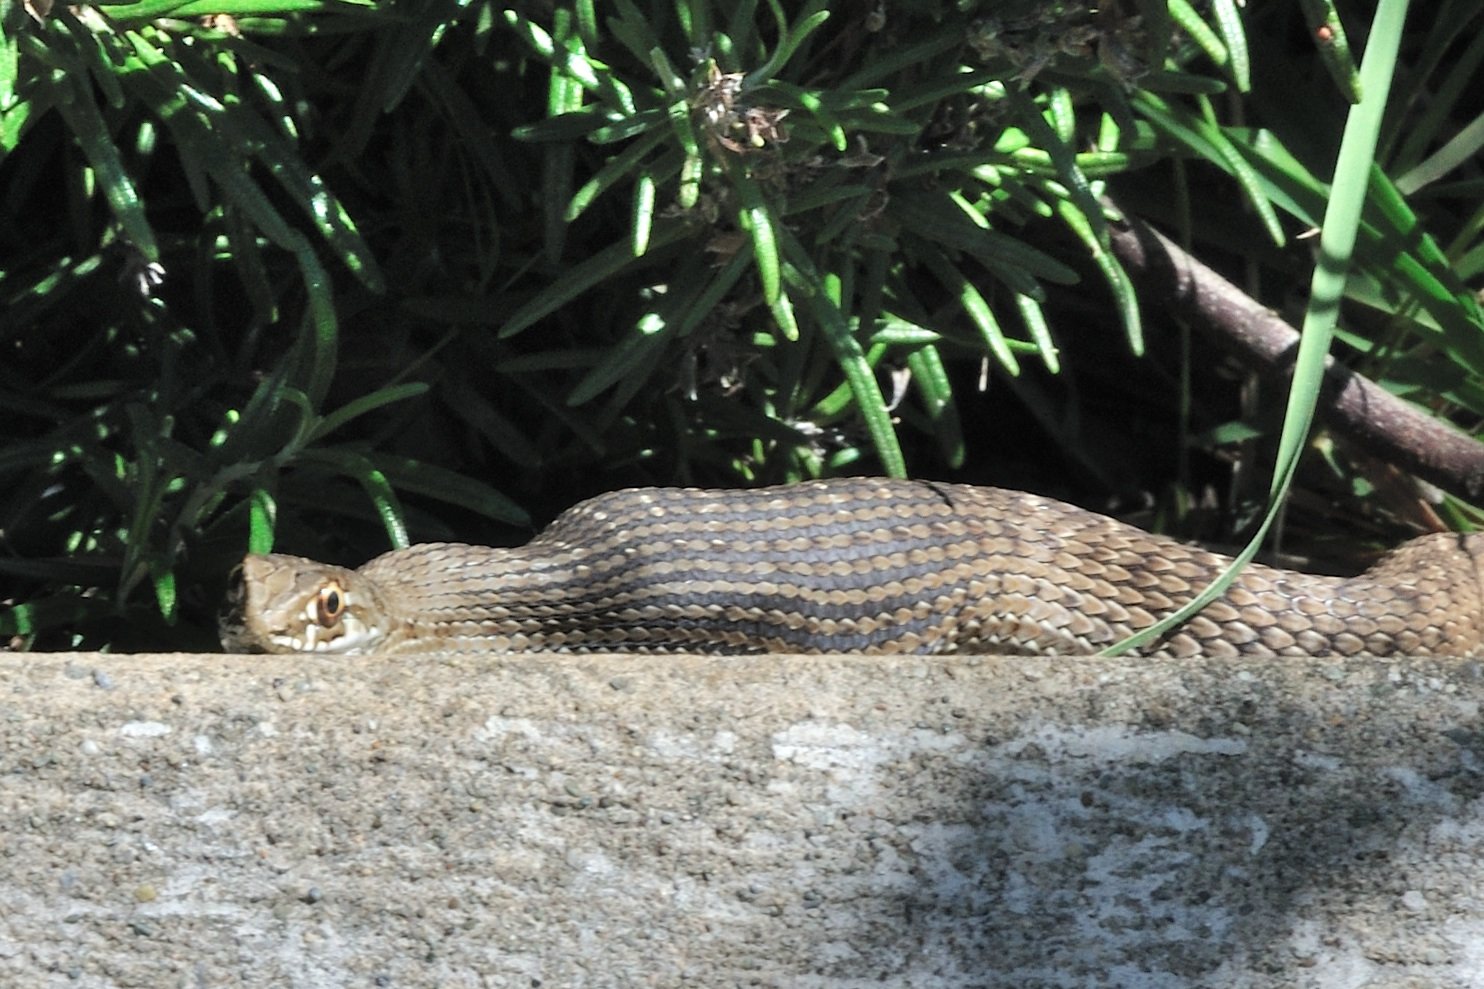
850, 565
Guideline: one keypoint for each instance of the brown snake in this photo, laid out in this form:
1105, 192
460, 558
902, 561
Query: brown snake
854, 565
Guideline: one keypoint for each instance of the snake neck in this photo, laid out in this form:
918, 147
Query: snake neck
436, 595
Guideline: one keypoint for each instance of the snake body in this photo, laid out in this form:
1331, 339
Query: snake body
851, 565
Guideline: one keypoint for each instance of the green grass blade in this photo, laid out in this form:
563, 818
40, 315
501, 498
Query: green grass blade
1336, 246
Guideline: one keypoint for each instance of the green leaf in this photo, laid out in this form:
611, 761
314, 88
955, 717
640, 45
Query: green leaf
641, 346
643, 213
1119, 283
64, 610
934, 218
358, 407
563, 127
755, 217
580, 277
706, 301
618, 168
975, 307
1035, 322
1334, 47
149, 10
431, 481
852, 362
931, 379
1229, 23
86, 123
165, 595
475, 409
357, 466
793, 37
318, 350
1190, 22
1209, 141
262, 521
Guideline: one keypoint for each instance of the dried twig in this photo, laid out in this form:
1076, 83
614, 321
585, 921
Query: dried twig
1352, 405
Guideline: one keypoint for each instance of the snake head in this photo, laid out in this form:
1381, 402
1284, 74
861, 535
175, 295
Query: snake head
287, 604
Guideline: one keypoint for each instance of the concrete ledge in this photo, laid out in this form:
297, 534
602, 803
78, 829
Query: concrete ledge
799, 822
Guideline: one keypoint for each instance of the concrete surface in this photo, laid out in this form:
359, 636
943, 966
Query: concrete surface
210, 821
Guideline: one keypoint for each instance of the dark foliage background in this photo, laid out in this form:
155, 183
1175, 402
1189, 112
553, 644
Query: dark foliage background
331, 276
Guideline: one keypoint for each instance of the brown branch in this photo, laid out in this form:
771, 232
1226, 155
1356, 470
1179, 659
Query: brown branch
1352, 405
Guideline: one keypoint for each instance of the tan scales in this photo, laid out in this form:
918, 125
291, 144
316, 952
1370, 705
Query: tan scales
850, 565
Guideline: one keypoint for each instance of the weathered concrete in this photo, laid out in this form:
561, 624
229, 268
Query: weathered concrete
800, 822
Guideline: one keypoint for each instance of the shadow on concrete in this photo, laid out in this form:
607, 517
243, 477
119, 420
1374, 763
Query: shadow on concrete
810, 822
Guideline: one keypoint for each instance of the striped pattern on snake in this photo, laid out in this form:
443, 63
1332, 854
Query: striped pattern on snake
850, 565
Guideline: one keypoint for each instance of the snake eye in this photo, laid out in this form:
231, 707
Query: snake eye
329, 605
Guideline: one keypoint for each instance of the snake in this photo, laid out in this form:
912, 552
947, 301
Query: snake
854, 565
